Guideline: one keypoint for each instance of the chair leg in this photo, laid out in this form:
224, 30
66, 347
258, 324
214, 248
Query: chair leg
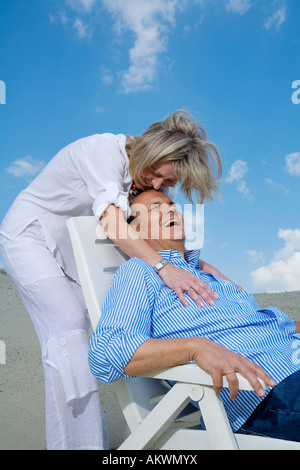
216, 422
159, 419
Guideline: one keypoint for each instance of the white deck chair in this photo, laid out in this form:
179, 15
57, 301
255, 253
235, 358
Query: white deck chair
150, 423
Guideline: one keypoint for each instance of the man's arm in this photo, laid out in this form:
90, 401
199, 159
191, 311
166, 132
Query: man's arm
156, 354
125, 321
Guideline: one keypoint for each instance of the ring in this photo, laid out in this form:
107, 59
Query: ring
187, 289
230, 372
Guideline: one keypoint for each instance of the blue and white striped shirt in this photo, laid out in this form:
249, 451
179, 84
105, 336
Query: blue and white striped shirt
139, 306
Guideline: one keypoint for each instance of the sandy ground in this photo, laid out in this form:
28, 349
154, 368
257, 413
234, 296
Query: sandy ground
22, 423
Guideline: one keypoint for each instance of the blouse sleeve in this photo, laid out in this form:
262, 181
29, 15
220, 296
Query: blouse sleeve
104, 168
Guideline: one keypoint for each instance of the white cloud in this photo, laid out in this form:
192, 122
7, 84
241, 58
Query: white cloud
292, 162
275, 20
277, 185
106, 75
99, 110
237, 171
283, 273
236, 176
243, 188
83, 30
292, 243
254, 255
25, 167
61, 17
150, 21
82, 5
238, 6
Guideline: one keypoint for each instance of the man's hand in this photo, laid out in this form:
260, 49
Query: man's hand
181, 281
219, 361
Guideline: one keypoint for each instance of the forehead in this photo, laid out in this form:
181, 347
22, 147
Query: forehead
151, 197
165, 169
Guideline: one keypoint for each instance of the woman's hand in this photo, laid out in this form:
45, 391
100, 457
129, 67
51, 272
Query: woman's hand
181, 281
219, 361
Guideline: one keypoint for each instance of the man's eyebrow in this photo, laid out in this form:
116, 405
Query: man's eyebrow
159, 201
170, 203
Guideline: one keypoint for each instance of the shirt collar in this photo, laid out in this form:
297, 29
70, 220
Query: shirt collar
190, 256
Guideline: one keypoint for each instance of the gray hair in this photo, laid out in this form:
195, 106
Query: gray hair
183, 141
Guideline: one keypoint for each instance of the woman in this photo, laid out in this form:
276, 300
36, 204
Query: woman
94, 176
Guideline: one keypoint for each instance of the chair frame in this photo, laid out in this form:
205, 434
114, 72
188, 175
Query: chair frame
151, 423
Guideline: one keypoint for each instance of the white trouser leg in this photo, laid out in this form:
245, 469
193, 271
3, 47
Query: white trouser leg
74, 419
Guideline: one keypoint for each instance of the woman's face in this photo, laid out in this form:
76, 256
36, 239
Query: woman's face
161, 175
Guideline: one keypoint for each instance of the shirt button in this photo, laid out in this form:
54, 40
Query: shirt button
65, 353
63, 341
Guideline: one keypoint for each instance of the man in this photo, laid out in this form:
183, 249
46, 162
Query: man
144, 327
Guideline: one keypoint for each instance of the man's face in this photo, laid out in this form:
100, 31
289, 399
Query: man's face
157, 217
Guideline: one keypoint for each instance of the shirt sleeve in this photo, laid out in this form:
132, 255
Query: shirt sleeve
103, 168
125, 322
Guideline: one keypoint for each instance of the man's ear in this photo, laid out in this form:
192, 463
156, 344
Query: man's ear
137, 211
134, 222
136, 225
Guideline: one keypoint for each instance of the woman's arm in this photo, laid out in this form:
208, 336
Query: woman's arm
208, 268
156, 354
121, 233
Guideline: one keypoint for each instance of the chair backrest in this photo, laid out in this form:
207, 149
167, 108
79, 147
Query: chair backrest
97, 259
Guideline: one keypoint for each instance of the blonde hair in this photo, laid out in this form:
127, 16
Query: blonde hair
183, 141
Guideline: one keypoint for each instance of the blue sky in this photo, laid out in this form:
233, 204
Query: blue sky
73, 68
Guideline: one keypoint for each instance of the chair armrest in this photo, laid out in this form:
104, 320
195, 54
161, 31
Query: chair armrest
191, 373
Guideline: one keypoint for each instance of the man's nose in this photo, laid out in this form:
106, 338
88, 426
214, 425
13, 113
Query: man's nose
169, 208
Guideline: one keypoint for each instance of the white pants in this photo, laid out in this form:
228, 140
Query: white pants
74, 418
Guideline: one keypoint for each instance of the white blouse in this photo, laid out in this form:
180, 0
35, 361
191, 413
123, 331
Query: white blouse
84, 178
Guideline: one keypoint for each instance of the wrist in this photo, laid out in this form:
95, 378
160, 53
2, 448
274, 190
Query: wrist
197, 347
160, 265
